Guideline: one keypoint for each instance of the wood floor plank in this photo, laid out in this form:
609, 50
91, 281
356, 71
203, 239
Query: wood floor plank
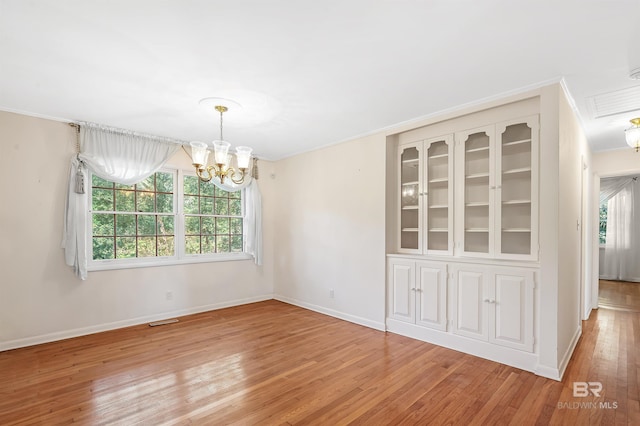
270, 363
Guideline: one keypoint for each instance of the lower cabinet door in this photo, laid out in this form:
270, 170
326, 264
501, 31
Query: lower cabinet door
511, 323
469, 301
494, 304
431, 295
401, 289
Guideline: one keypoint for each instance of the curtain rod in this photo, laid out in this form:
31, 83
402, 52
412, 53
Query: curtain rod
116, 130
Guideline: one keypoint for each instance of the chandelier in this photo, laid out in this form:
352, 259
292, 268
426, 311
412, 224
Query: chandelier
222, 167
632, 134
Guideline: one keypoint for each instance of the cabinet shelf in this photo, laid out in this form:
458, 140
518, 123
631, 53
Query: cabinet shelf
410, 183
410, 208
483, 148
478, 230
438, 206
439, 180
432, 157
518, 142
478, 176
516, 202
478, 204
438, 230
409, 229
516, 230
517, 171
410, 161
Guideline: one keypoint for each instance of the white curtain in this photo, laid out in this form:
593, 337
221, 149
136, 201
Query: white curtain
253, 221
113, 154
121, 156
609, 187
622, 248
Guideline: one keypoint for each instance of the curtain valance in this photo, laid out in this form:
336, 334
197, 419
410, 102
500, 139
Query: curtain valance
121, 156
611, 186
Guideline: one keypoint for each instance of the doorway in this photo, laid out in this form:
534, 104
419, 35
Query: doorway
619, 243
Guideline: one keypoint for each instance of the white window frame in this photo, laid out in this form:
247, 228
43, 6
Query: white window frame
180, 256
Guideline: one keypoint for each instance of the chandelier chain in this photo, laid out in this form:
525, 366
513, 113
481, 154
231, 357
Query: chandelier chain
221, 111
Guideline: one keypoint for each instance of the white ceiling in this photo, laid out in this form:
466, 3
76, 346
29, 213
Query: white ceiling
307, 73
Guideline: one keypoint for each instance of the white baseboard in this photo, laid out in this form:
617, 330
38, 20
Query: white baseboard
67, 334
332, 313
564, 362
557, 373
548, 372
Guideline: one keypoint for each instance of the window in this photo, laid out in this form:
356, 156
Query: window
170, 217
213, 218
603, 223
133, 221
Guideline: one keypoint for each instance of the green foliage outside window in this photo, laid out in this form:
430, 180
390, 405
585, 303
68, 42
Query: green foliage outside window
133, 220
213, 218
137, 221
603, 223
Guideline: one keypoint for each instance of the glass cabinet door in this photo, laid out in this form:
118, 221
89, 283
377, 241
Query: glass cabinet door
410, 199
477, 164
439, 194
517, 193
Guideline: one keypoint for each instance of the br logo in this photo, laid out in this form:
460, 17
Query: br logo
582, 389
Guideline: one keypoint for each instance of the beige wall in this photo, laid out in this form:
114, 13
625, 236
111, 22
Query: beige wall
563, 253
618, 162
547, 304
41, 299
573, 253
331, 230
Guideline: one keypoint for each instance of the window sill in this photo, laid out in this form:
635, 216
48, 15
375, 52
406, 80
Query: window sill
106, 265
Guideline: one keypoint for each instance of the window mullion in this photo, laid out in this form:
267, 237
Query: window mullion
178, 197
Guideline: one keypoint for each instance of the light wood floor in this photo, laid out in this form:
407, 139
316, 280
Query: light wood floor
622, 295
272, 363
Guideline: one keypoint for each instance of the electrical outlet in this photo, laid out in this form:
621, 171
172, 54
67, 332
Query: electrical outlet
169, 295
331, 294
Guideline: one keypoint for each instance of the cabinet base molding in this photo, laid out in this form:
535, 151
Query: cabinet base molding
512, 357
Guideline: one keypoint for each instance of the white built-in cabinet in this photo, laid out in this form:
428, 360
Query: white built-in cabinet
417, 292
426, 196
467, 238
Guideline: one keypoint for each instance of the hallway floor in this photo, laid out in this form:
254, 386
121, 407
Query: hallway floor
619, 295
